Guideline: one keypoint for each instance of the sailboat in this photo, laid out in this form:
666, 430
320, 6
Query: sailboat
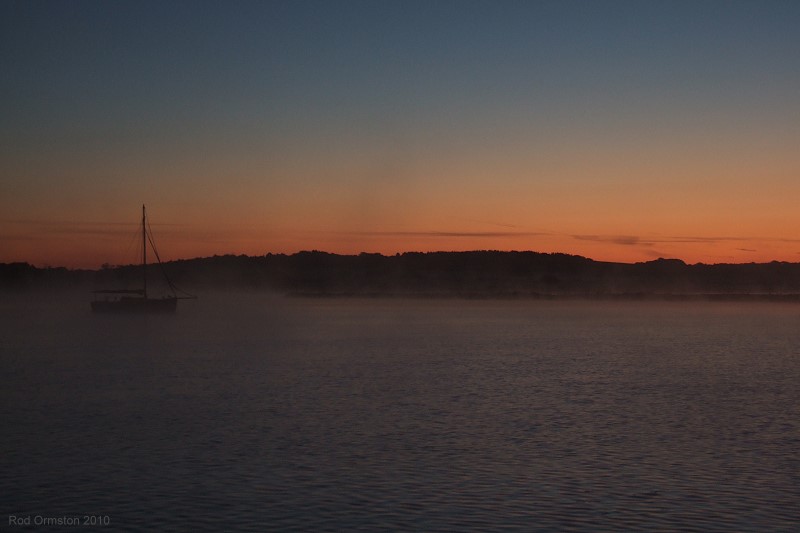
137, 300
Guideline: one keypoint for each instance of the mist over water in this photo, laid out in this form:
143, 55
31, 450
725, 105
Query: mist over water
254, 412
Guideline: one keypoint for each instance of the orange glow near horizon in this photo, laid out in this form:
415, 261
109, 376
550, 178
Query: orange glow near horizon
696, 196
88, 247
722, 198
597, 206
623, 136
603, 205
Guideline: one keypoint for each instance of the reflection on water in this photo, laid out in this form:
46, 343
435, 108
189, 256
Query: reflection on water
258, 413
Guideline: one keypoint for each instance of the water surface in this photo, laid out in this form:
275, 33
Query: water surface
251, 412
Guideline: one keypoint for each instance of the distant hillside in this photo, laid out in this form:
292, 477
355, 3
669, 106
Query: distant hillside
453, 274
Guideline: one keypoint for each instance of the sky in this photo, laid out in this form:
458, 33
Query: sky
617, 130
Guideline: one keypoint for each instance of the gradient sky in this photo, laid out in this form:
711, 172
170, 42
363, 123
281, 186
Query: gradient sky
617, 130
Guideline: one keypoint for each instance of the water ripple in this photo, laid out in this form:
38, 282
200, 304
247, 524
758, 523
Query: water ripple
408, 416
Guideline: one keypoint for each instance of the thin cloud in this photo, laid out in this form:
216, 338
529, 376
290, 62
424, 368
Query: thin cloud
66, 230
692, 239
449, 234
40, 229
625, 240
39, 222
633, 240
30, 229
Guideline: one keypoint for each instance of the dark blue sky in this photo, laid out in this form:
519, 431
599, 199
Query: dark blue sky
233, 100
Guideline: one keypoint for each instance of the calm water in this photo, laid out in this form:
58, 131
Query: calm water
258, 413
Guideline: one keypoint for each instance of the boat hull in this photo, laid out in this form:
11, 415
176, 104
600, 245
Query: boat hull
136, 305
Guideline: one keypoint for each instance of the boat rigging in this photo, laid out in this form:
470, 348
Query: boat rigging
138, 300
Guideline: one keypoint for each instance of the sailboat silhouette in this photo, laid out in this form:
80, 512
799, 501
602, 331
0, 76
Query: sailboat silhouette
137, 300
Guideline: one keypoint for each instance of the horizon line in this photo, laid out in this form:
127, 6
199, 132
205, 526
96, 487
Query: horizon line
103, 266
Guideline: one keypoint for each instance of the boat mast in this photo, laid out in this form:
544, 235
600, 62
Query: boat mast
144, 253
